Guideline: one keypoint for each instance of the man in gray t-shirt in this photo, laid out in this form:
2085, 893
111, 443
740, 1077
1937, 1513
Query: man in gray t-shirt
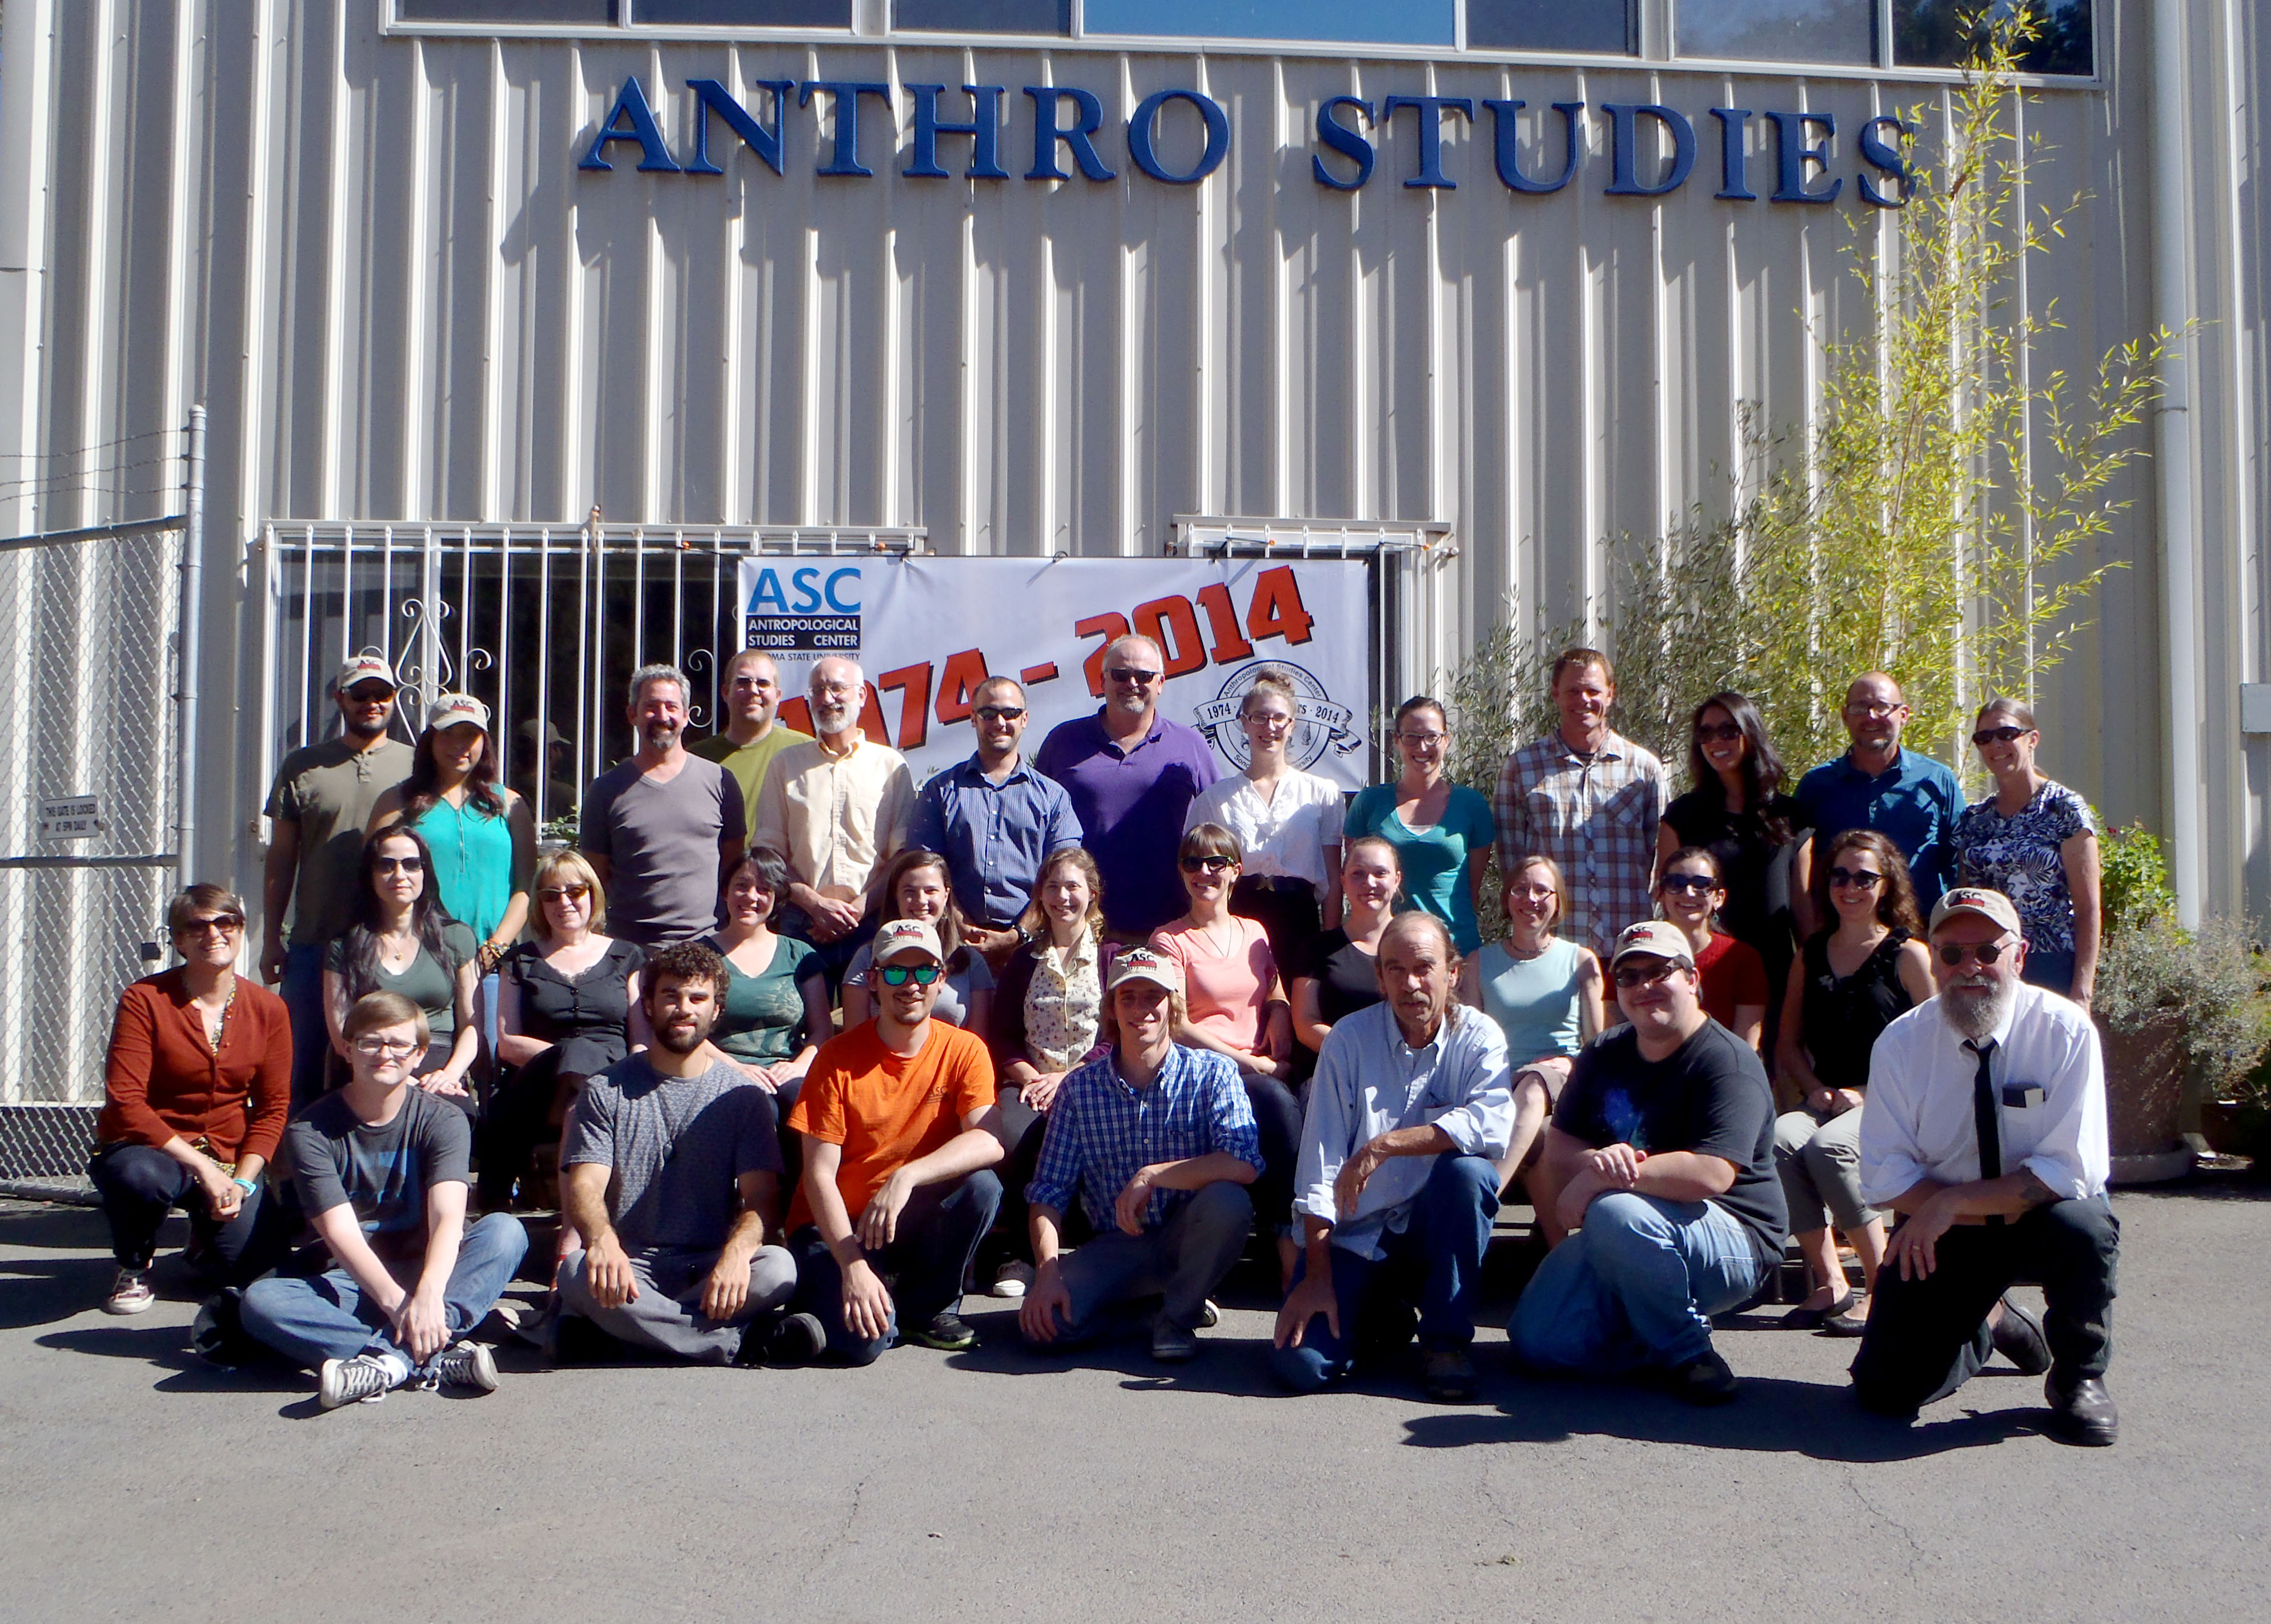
662, 828
672, 1176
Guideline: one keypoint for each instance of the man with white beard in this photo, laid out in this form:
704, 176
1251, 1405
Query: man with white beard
1985, 1128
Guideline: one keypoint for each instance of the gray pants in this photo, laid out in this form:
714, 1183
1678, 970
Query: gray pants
1820, 1167
1181, 1261
667, 1314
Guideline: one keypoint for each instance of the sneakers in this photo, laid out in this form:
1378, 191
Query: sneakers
1447, 1375
1703, 1381
1014, 1279
798, 1339
361, 1380
1210, 1315
1172, 1343
945, 1330
468, 1364
129, 1292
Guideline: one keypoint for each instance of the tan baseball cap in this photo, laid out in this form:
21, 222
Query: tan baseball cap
1144, 964
1981, 903
363, 668
906, 936
452, 708
1659, 938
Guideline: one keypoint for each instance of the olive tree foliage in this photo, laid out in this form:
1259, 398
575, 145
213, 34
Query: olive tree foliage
1936, 518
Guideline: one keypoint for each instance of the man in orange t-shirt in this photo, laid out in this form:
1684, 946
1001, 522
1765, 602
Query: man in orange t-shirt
899, 1128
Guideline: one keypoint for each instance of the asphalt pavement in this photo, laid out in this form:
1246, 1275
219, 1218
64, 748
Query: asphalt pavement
1000, 1485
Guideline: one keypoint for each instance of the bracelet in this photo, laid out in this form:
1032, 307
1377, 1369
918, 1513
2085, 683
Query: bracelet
245, 1184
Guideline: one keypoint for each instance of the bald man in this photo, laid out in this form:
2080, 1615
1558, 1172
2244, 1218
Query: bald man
1910, 799
1132, 775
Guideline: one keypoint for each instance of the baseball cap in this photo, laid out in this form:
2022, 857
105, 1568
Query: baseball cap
363, 668
1980, 902
1143, 964
1658, 938
452, 708
903, 935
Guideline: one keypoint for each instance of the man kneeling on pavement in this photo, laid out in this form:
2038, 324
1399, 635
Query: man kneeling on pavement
1409, 1111
1661, 1158
1158, 1141
672, 1173
1994, 1073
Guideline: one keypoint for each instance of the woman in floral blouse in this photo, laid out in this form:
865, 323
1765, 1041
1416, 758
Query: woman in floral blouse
2034, 841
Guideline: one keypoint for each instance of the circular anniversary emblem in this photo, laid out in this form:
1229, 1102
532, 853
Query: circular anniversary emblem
1321, 725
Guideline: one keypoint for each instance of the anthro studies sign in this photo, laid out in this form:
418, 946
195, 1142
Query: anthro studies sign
1066, 121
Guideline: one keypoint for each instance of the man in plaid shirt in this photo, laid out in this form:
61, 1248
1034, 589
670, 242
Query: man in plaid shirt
1590, 799
1158, 1143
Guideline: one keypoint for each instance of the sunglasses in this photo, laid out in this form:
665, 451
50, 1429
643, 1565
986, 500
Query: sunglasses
900, 975
1131, 675
1633, 975
1720, 733
1954, 953
1689, 884
1860, 877
575, 892
401, 866
377, 1047
1210, 864
1985, 737
999, 712
218, 925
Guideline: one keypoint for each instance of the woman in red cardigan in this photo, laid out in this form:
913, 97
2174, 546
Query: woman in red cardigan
198, 1083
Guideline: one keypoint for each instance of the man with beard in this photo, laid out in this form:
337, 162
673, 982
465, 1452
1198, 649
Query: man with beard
836, 807
1991, 1075
672, 1176
662, 828
322, 797
1910, 799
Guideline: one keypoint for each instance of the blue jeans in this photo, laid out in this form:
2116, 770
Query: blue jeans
1437, 1259
302, 992
311, 1319
1179, 1262
140, 1186
939, 1230
1637, 1286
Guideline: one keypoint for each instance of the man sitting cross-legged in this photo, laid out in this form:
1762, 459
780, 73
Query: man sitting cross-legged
1159, 1142
381, 1169
673, 1172
900, 1129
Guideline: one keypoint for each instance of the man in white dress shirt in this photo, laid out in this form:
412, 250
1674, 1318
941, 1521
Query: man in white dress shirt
1984, 1130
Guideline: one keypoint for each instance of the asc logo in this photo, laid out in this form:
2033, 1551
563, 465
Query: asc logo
1321, 725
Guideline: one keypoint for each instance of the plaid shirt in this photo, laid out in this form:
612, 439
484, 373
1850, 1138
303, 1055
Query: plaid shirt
1595, 818
1101, 1130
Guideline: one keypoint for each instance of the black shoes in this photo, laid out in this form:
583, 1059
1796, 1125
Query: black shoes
945, 1330
1448, 1376
1703, 1381
2083, 1415
2018, 1337
798, 1339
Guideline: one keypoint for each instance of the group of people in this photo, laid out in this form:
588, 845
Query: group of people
802, 1051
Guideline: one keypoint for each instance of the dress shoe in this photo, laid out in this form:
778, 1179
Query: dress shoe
1706, 1380
2083, 1415
2018, 1337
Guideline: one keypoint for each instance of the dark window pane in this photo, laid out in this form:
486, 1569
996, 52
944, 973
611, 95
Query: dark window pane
745, 13
984, 16
1944, 33
1602, 26
1356, 22
1843, 31
506, 10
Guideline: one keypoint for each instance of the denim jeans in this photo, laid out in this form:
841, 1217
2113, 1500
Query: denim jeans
1436, 1260
302, 992
1179, 1262
311, 1319
939, 1230
1637, 1286
140, 1186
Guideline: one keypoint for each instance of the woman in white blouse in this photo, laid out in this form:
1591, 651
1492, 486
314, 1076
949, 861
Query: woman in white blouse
1287, 823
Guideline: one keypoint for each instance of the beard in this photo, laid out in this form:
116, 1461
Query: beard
681, 1037
660, 736
1973, 1012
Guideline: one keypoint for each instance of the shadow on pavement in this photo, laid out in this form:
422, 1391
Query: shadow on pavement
40, 1291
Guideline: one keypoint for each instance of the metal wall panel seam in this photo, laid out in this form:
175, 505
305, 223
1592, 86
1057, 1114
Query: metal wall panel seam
2024, 293
2243, 451
889, 403
1434, 428
28, 108
578, 480
329, 482
425, 462
494, 405
1207, 490
96, 232
661, 403
809, 375
183, 150
735, 504
1662, 510
1281, 317
967, 449
253, 440
1590, 387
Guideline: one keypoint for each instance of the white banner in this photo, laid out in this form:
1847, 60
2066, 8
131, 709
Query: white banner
929, 630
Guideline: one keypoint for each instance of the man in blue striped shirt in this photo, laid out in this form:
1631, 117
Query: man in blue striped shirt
1158, 1144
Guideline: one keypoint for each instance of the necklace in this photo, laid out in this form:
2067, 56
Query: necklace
217, 1029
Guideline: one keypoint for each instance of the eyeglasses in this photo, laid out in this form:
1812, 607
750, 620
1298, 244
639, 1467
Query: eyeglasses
1275, 720
1211, 865
1632, 975
1954, 953
575, 892
1421, 741
379, 1047
402, 865
1985, 737
1719, 734
1860, 877
1129, 674
999, 712
751, 685
1876, 708
220, 924
900, 975
1689, 884
832, 688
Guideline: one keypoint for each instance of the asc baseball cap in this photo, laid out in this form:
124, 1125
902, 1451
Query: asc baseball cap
452, 708
1980, 902
1143, 964
363, 668
906, 936
1659, 938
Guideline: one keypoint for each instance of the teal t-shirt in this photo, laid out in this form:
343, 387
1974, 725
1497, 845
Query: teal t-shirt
1436, 859
473, 864
761, 1020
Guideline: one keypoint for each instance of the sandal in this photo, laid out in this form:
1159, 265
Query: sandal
1814, 1319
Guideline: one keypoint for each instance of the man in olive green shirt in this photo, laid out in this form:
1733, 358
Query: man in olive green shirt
754, 735
322, 798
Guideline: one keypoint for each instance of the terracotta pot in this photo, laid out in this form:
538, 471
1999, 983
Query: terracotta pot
2144, 1099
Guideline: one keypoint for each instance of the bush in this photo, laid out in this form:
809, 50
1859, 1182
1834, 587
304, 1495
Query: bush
2211, 980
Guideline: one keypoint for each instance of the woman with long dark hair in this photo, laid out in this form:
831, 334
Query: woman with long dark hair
402, 940
917, 886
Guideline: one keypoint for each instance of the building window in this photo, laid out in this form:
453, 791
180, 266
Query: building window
743, 13
1830, 30
982, 16
1945, 33
1605, 27
1353, 22
506, 10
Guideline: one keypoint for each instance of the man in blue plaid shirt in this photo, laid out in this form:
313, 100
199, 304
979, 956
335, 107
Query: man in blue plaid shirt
1158, 1143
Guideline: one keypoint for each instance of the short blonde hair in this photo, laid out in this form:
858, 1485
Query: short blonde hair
570, 867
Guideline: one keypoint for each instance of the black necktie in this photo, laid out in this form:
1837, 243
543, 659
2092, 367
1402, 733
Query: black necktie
1986, 1121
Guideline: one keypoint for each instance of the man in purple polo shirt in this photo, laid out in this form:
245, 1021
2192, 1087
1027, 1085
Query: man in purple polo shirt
1132, 775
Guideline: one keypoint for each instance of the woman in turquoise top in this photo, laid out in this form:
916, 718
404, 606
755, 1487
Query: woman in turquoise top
1442, 832
1548, 995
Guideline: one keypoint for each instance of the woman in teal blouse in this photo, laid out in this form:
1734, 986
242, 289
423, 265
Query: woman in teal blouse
1442, 832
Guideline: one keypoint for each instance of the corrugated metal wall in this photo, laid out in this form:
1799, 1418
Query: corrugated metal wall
377, 259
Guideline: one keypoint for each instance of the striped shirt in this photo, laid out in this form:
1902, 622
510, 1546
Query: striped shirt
1594, 815
1101, 1131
